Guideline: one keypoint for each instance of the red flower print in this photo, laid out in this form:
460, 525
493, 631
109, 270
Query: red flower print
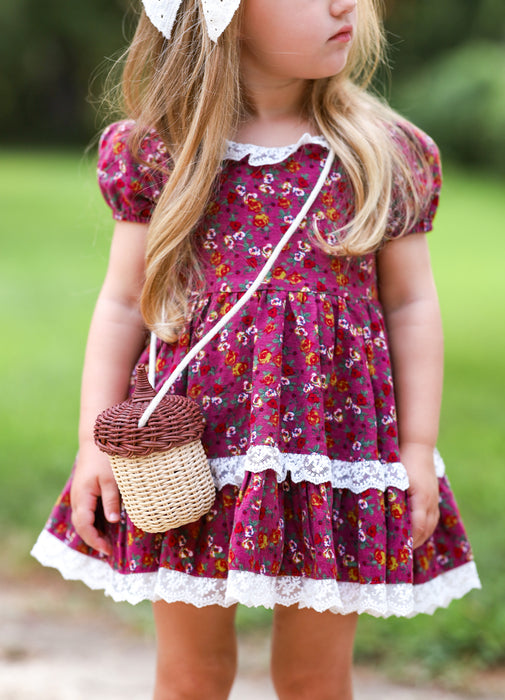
239, 369
278, 273
342, 385
216, 258
327, 198
213, 208
352, 574
284, 202
352, 517
300, 442
261, 220
222, 270
228, 501
311, 359
392, 563
235, 225
313, 417
450, 521
404, 555
295, 278
424, 563
264, 356
397, 511
231, 197
230, 358
333, 214
269, 379
195, 391
254, 204
262, 540
293, 166
380, 557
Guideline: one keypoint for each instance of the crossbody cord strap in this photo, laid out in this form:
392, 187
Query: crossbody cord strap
237, 306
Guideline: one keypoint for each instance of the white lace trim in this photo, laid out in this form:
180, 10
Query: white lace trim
252, 590
265, 155
315, 468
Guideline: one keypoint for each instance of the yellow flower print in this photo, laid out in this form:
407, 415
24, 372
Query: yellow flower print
261, 220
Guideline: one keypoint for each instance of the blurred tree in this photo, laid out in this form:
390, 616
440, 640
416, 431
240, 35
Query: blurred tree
448, 62
50, 53
47, 54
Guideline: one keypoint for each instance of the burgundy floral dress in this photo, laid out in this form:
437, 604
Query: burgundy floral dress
298, 396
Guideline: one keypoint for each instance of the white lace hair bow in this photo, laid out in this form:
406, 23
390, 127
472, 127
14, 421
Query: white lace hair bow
218, 15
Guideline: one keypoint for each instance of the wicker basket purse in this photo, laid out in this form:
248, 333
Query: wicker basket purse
161, 469
153, 439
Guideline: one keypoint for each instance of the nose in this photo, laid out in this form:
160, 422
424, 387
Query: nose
342, 7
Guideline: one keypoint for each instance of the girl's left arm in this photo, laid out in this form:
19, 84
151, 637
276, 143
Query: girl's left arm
409, 298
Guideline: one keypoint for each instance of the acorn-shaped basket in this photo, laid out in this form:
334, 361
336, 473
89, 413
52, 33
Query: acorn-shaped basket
161, 469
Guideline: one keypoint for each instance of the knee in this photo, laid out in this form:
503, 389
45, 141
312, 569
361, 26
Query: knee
299, 681
209, 677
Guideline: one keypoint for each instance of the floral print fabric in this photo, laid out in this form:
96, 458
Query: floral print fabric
298, 397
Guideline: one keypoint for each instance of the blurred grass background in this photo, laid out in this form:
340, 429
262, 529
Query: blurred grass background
56, 233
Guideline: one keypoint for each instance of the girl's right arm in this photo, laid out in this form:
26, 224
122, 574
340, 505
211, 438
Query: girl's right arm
116, 338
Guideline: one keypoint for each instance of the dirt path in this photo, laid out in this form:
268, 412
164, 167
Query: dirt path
60, 642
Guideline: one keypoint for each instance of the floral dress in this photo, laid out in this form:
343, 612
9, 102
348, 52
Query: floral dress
297, 391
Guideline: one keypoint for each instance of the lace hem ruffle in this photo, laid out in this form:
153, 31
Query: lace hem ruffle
252, 590
314, 468
264, 155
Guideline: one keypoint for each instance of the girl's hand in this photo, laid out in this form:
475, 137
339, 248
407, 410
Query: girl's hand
422, 492
94, 488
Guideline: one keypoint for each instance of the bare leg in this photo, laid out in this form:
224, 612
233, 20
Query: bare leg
197, 651
312, 654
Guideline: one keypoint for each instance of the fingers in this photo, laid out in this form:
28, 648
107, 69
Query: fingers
85, 522
110, 500
95, 501
424, 520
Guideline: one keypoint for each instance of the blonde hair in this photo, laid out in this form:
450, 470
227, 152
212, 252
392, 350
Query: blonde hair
188, 89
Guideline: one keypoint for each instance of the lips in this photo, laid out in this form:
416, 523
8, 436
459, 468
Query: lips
344, 34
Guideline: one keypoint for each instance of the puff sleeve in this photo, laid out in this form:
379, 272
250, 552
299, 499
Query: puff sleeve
130, 187
416, 143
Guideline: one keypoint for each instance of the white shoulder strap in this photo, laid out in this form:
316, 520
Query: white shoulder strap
239, 304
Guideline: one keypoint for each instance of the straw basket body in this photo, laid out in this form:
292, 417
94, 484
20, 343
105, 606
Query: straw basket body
161, 469
164, 490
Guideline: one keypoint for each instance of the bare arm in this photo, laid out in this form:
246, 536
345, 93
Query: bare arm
115, 340
412, 314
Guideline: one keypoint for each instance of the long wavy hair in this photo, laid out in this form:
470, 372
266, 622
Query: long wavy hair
189, 90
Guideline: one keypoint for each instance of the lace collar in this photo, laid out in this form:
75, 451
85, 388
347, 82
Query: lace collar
265, 155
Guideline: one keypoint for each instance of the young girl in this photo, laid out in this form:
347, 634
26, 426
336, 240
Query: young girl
321, 396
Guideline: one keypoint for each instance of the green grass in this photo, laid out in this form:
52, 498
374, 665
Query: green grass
55, 238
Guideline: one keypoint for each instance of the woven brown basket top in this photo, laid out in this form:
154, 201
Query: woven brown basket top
175, 422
